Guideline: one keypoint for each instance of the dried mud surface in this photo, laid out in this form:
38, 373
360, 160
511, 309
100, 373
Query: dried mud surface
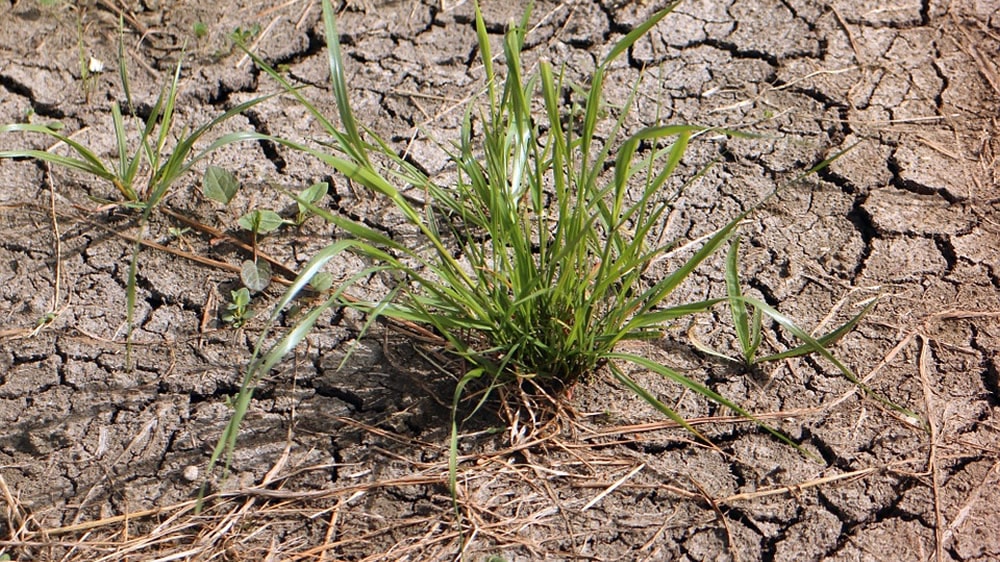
351, 463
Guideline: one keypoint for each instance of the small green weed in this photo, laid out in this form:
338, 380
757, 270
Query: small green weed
199, 29
142, 173
241, 36
747, 316
219, 184
238, 312
309, 197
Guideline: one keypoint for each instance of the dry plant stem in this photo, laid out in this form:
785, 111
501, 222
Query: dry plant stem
976, 495
126, 14
15, 514
286, 278
257, 41
794, 489
230, 510
187, 507
932, 458
289, 274
217, 234
719, 515
617, 431
57, 242
612, 487
657, 553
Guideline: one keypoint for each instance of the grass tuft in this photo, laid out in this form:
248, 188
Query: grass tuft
555, 231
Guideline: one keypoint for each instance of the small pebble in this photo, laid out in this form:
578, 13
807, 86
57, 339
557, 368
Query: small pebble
191, 473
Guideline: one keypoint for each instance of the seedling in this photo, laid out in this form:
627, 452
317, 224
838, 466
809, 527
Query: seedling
747, 316
321, 282
237, 309
261, 221
200, 29
241, 36
256, 274
163, 161
178, 233
46, 319
219, 184
308, 197
29, 117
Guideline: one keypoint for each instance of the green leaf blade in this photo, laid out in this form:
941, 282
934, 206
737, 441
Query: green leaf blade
738, 307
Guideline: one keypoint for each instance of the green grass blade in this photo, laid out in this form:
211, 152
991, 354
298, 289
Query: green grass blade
62, 161
467, 378
93, 164
296, 92
591, 111
756, 336
123, 65
283, 347
121, 139
703, 390
709, 350
626, 42
353, 228
658, 292
520, 133
655, 402
167, 119
623, 161
482, 36
152, 156
825, 340
339, 83
661, 317
819, 348
261, 365
738, 307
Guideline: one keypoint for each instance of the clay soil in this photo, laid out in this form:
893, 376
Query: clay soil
101, 459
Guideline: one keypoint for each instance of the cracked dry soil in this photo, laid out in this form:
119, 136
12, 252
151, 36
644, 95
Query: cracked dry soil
99, 461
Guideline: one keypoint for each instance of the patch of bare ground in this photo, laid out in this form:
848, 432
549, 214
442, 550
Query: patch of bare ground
100, 460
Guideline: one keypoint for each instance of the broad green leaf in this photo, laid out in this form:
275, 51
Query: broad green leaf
219, 184
314, 192
311, 195
256, 275
261, 221
241, 296
321, 282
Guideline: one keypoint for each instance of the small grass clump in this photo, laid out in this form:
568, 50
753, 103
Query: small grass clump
532, 264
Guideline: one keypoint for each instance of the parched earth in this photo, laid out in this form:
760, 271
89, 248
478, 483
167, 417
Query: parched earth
102, 452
